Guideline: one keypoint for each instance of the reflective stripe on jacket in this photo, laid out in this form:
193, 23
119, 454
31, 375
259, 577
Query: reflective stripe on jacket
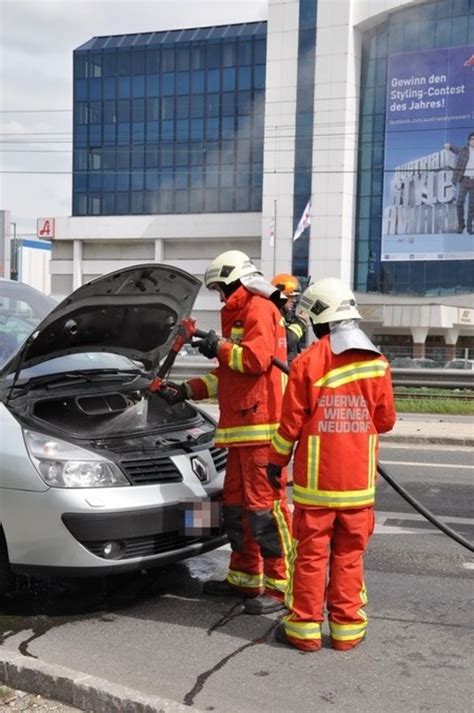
248, 387
334, 407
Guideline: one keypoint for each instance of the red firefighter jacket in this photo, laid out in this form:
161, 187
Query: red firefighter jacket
248, 387
334, 407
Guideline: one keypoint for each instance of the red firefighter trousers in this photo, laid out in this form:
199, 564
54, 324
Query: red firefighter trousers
327, 567
257, 521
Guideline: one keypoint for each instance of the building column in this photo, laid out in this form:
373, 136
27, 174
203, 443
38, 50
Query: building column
450, 339
419, 335
76, 264
159, 250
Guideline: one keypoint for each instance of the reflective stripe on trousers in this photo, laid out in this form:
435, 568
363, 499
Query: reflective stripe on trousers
264, 541
340, 536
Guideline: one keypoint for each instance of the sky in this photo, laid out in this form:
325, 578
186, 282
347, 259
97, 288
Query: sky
37, 38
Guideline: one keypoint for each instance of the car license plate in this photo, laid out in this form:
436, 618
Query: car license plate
201, 517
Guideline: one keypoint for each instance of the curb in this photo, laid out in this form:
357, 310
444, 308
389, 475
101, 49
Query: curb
79, 689
439, 440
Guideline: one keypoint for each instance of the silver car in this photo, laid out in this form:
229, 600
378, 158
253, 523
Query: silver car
97, 474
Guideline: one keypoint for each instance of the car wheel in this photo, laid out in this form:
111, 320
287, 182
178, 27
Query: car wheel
6, 575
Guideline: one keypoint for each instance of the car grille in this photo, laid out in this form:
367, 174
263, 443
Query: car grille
219, 456
148, 470
146, 546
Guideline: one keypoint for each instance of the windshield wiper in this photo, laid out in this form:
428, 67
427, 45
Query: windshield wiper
77, 377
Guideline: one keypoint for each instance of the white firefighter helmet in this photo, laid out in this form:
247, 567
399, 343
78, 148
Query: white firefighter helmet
329, 300
229, 267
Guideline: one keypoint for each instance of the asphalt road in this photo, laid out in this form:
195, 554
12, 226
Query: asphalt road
157, 633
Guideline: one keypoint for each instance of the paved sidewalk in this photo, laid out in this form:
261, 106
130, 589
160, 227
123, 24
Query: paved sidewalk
436, 429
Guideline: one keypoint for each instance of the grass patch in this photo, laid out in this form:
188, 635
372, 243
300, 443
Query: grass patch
428, 400
446, 406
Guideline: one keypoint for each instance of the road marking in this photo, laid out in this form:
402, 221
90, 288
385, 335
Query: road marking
468, 565
425, 465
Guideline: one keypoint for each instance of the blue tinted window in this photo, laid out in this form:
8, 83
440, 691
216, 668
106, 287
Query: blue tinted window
153, 85
123, 133
228, 54
152, 61
152, 131
181, 178
182, 58
197, 82
151, 179
182, 83
109, 88
122, 203
95, 89
259, 76
228, 103
167, 108
244, 52
227, 127
123, 63
167, 84
167, 59
151, 205
124, 87
213, 55
260, 51
109, 131
213, 80
167, 129
212, 128
197, 56
109, 64
197, 106
182, 129
138, 132
228, 79
245, 78
137, 202
197, 128
138, 86
138, 62
80, 88
80, 65
182, 107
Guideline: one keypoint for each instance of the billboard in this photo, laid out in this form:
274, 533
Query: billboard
428, 194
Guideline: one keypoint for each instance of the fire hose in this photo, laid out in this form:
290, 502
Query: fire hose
187, 330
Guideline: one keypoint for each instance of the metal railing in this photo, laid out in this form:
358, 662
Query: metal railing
188, 367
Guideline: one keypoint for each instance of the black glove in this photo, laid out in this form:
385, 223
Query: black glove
173, 393
208, 346
274, 475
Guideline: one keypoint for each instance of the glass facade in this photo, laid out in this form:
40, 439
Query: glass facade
448, 23
304, 129
170, 122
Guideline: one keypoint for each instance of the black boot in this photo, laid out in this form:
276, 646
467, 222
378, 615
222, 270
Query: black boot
264, 604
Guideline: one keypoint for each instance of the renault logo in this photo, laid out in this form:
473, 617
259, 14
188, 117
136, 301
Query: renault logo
199, 468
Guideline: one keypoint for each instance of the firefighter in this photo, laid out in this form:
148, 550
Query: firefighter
249, 390
295, 323
338, 399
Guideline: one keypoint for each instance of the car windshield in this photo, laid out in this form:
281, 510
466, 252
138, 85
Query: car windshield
21, 309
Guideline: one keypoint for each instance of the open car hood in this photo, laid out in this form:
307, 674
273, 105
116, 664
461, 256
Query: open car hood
133, 312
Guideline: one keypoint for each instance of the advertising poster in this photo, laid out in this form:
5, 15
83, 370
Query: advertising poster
428, 201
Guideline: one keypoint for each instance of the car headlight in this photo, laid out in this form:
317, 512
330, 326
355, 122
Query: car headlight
64, 465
